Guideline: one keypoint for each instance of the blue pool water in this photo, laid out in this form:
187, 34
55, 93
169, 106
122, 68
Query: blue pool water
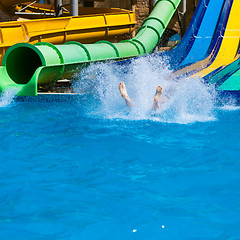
93, 169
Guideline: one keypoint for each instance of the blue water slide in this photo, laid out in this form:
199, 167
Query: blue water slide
177, 54
215, 14
214, 45
208, 33
220, 30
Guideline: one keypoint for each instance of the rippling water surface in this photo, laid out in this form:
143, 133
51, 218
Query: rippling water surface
93, 169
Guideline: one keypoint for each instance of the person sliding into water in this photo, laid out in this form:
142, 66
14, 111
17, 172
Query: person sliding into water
156, 102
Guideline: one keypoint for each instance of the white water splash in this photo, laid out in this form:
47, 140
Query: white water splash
229, 107
189, 99
7, 97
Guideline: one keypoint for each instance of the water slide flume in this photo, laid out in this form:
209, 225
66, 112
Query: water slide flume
96, 24
222, 65
25, 65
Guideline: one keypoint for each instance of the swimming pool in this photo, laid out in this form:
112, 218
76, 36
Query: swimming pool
93, 169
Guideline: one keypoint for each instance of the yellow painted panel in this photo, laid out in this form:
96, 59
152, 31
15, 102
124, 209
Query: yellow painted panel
230, 43
46, 24
12, 34
83, 36
87, 22
114, 20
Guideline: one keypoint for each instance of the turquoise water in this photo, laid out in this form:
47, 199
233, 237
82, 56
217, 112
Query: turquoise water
93, 169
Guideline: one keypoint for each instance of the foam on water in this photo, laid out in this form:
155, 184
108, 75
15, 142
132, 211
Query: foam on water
7, 97
227, 107
190, 100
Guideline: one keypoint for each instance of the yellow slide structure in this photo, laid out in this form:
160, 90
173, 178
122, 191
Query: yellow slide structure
230, 43
228, 51
84, 28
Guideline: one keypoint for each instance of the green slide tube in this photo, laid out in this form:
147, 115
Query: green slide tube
25, 66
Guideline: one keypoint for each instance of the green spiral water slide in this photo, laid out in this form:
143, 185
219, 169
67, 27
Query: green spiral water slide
25, 65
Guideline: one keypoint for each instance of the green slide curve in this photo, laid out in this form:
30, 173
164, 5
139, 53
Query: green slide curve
25, 65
